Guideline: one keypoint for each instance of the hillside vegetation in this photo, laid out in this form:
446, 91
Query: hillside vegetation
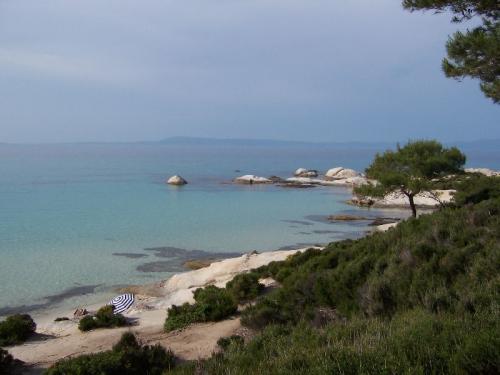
422, 298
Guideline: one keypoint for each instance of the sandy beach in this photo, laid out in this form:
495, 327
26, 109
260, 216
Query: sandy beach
58, 340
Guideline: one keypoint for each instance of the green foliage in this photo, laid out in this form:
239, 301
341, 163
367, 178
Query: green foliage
413, 342
474, 53
104, 318
127, 357
16, 329
411, 168
7, 362
211, 304
225, 342
444, 262
245, 287
476, 189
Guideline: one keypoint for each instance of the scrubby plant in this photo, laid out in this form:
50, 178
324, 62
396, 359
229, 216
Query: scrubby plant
225, 342
7, 363
444, 262
128, 357
245, 287
211, 304
104, 318
16, 329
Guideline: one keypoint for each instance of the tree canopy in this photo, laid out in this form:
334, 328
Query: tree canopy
474, 53
411, 168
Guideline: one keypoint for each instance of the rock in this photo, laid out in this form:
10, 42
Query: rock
80, 312
277, 180
250, 179
302, 172
350, 181
304, 180
383, 220
484, 171
176, 180
346, 218
341, 173
426, 199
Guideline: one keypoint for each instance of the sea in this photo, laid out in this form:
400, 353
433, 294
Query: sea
80, 221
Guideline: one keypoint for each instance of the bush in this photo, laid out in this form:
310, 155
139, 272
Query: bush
16, 329
414, 342
245, 287
7, 362
225, 342
211, 304
104, 318
127, 357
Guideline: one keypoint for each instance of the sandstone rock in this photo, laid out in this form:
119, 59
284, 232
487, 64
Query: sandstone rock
341, 173
484, 171
302, 172
176, 180
250, 179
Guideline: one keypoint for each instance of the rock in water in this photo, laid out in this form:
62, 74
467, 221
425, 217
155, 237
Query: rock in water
251, 179
341, 173
176, 180
302, 172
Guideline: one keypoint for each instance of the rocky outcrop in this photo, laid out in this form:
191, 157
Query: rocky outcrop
341, 173
484, 171
250, 179
426, 199
176, 180
302, 172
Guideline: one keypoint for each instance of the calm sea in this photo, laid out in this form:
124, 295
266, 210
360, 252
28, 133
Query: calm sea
77, 219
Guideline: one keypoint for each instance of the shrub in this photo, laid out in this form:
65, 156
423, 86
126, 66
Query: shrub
245, 287
16, 329
128, 357
225, 342
104, 318
211, 304
7, 362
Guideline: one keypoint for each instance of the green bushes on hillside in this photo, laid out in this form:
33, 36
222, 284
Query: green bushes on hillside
16, 329
413, 342
245, 287
211, 304
444, 262
127, 357
104, 318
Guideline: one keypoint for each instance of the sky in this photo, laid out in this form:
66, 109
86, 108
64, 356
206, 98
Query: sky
310, 70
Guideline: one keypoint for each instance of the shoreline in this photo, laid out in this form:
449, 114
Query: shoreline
57, 340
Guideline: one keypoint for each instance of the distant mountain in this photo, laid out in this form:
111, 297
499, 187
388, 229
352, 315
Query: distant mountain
194, 141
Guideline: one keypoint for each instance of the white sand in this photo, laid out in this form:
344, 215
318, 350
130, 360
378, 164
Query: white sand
63, 339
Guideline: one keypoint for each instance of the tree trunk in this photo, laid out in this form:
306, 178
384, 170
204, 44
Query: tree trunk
412, 205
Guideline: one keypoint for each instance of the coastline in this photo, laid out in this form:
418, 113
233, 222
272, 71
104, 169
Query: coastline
58, 340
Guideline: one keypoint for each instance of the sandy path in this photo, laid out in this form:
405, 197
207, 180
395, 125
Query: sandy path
196, 341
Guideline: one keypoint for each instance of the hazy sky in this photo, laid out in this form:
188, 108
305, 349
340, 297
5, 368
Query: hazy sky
319, 70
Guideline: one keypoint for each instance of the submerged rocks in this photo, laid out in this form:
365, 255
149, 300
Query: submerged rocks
176, 180
250, 179
346, 217
302, 172
341, 173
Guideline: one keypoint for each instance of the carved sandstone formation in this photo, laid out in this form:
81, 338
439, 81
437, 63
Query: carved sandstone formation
339, 173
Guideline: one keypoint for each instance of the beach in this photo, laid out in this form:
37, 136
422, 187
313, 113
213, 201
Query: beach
58, 340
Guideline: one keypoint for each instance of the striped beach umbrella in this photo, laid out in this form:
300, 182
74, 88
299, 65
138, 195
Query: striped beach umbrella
122, 302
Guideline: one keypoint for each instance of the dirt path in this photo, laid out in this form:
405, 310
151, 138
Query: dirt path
196, 341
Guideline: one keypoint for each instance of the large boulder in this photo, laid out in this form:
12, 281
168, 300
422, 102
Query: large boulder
176, 180
484, 171
340, 173
250, 179
302, 172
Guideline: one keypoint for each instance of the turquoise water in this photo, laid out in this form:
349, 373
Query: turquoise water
65, 209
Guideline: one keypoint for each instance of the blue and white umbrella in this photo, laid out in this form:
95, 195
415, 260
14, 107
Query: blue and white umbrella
122, 302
